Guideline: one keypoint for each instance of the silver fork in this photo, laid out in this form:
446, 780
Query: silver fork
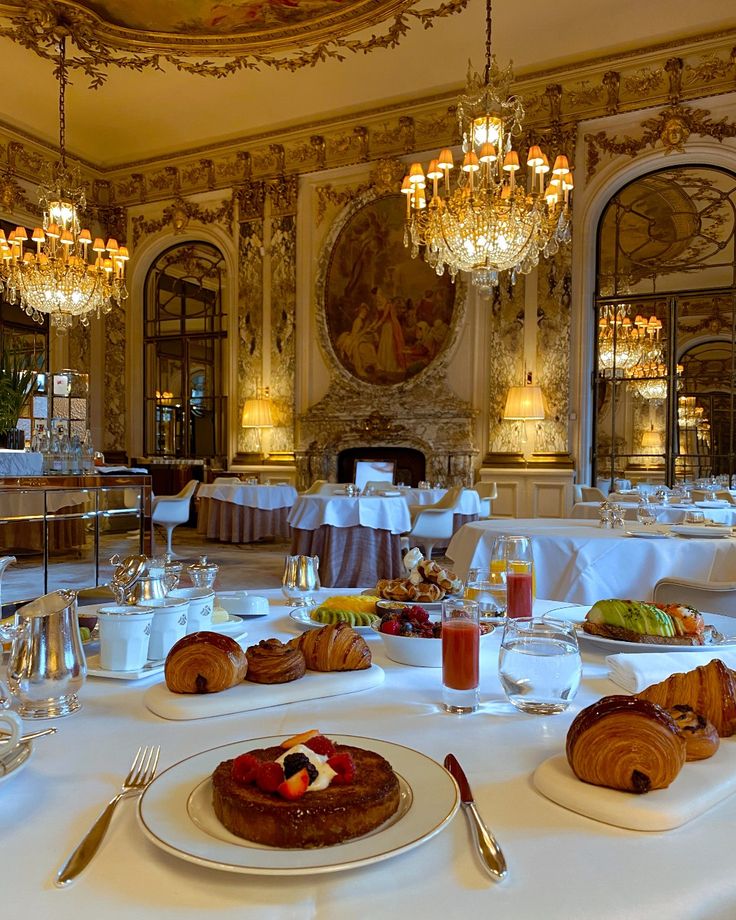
142, 771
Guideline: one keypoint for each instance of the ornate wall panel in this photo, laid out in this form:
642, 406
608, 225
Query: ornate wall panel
506, 361
554, 298
79, 348
114, 417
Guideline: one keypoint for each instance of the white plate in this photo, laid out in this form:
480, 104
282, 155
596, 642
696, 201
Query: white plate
10, 765
149, 669
647, 534
301, 615
232, 626
701, 530
175, 812
716, 503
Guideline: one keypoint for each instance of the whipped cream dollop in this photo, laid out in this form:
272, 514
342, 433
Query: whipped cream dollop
325, 773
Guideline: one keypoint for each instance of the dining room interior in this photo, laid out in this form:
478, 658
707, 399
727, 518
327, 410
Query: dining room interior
316, 315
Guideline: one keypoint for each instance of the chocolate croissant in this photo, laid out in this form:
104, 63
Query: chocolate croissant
204, 662
336, 647
623, 742
273, 662
710, 690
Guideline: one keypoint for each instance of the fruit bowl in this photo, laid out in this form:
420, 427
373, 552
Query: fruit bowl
416, 651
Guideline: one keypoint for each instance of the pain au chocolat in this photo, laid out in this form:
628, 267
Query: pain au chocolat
318, 819
626, 743
204, 662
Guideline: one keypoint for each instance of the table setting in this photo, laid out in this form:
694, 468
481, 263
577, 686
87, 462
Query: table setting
239, 512
474, 733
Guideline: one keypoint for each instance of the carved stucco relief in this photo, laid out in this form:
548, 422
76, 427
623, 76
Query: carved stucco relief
283, 306
553, 351
114, 437
506, 361
250, 324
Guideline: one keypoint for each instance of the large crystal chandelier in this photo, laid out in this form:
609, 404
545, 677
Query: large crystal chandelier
488, 220
69, 274
619, 341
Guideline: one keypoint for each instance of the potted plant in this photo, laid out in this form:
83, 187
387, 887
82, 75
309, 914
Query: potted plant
17, 384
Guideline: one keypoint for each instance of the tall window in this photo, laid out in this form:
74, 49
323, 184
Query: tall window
665, 310
184, 335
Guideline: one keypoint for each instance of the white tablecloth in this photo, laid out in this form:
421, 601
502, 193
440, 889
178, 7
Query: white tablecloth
666, 514
578, 561
378, 512
267, 498
562, 866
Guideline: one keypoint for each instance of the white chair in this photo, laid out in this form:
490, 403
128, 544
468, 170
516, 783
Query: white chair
168, 511
705, 495
488, 493
330, 488
591, 494
225, 480
379, 485
315, 488
577, 494
710, 596
433, 524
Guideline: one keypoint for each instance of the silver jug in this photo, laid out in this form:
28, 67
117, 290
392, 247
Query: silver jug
127, 572
47, 666
149, 588
300, 580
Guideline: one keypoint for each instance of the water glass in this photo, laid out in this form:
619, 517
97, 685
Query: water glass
539, 664
645, 514
488, 589
513, 557
460, 655
300, 580
694, 517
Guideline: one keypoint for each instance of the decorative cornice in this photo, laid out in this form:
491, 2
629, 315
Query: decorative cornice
670, 128
300, 42
177, 216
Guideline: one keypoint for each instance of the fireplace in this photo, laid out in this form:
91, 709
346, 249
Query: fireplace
409, 464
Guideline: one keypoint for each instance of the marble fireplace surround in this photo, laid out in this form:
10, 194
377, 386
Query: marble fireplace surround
425, 417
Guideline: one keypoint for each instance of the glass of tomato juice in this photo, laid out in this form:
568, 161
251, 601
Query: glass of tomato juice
460, 654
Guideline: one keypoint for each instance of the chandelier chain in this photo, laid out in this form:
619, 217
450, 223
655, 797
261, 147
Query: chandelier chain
62, 94
489, 32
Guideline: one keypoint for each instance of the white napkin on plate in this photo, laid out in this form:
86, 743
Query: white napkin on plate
636, 672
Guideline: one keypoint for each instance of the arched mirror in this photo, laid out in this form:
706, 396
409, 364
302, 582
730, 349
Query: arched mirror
664, 317
184, 336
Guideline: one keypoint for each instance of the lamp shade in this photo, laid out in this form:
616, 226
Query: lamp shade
524, 404
257, 413
651, 439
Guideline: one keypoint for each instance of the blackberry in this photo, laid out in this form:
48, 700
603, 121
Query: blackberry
312, 772
293, 763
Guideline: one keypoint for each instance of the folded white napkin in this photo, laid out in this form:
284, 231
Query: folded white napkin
635, 672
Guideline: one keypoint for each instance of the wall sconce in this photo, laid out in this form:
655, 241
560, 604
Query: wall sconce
257, 414
524, 404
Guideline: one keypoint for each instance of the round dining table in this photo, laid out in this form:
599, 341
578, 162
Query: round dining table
357, 538
581, 562
233, 512
721, 513
562, 866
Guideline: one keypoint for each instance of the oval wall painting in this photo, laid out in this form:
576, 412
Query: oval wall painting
388, 315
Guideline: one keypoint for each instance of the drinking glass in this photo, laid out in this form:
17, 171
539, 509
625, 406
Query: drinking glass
488, 589
694, 517
645, 514
460, 655
539, 664
512, 558
300, 580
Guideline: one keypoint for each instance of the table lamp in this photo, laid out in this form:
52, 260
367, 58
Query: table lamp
524, 404
257, 414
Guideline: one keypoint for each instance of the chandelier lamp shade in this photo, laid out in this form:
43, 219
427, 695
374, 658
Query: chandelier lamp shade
61, 269
485, 214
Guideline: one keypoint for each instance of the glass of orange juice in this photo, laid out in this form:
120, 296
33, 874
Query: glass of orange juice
512, 559
488, 588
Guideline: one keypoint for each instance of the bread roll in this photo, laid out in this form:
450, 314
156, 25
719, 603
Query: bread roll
204, 662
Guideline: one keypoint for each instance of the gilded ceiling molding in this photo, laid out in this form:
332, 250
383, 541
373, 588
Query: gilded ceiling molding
671, 129
201, 48
178, 214
385, 178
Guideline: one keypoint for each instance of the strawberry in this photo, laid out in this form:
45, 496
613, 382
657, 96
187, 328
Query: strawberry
300, 739
269, 776
344, 766
244, 768
295, 786
321, 745
391, 627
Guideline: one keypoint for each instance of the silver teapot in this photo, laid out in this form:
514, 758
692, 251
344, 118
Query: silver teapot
47, 666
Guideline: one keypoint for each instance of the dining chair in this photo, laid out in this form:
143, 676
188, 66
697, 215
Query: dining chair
704, 495
433, 524
316, 487
380, 485
577, 494
591, 494
709, 596
168, 511
488, 493
220, 480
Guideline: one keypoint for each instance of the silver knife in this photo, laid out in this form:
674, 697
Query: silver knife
486, 844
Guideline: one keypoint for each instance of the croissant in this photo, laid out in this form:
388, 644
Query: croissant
336, 647
710, 690
623, 742
273, 662
204, 662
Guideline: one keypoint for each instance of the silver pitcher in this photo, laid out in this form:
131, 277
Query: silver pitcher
300, 580
47, 666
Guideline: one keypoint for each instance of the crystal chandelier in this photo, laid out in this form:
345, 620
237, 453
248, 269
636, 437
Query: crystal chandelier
619, 341
68, 275
487, 221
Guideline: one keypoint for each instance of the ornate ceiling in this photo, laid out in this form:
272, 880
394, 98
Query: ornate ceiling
285, 63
